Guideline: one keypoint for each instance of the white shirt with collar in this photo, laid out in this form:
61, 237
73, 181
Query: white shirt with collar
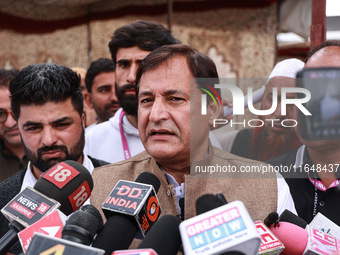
30, 180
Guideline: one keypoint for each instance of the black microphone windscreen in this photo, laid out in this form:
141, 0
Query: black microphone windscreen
271, 219
288, 216
164, 237
62, 185
109, 240
149, 178
94, 211
207, 202
80, 227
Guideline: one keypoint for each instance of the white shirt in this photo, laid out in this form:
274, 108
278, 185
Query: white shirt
30, 180
104, 141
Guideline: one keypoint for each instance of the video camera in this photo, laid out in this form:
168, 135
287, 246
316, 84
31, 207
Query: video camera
324, 104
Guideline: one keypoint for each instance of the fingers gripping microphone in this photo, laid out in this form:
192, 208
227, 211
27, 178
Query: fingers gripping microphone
132, 207
66, 185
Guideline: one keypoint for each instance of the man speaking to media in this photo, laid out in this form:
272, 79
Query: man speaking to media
168, 104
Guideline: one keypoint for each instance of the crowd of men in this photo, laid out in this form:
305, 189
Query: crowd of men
148, 106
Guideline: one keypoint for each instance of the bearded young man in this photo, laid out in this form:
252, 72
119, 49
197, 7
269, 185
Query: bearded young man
47, 103
129, 45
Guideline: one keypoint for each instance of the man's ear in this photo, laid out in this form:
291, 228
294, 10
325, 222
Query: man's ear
214, 111
88, 99
83, 119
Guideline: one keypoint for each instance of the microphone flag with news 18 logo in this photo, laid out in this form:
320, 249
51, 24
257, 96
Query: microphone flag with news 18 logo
28, 207
134, 199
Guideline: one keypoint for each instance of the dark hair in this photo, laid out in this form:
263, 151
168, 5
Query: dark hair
200, 65
42, 83
102, 65
6, 75
328, 43
146, 35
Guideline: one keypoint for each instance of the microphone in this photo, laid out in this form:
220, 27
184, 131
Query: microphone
226, 229
323, 223
270, 244
66, 185
43, 244
132, 207
164, 237
271, 219
80, 227
93, 211
79, 230
207, 202
292, 236
50, 225
256, 97
288, 216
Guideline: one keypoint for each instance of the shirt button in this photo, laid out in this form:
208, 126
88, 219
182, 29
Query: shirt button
321, 203
168, 193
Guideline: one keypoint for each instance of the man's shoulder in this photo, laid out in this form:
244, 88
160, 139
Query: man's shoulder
142, 158
10, 187
97, 162
227, 156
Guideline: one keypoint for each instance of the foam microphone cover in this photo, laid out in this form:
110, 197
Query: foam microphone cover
164, 237
149, 178
61, 195
207, 202
288, 216
94, 211
80, 227
293, 237
271, 219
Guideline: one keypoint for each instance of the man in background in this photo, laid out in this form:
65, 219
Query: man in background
316, 163
100, 84
129, 45
47, 103
12, 154
90, 114
271, 139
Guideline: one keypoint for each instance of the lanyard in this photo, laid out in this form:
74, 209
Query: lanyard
122, 135
319, 185
316, 183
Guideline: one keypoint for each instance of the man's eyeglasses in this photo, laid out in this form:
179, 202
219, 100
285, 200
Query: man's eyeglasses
4, 115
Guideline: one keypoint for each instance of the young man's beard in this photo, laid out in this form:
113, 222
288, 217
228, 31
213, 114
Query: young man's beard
43, 165
265, 146
129, 103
